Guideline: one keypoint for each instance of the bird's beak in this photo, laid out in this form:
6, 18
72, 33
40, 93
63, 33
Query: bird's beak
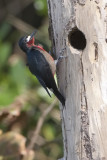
31, 36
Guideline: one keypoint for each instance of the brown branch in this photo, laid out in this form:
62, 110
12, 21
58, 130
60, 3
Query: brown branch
10, 7
19, 24
17, 104
39, 125
57, 140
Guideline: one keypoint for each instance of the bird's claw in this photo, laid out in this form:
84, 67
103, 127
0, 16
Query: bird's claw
61, 52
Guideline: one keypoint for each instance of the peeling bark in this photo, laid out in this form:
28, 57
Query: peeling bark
82, 76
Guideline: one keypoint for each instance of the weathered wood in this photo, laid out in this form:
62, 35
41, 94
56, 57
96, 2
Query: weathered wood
83, 76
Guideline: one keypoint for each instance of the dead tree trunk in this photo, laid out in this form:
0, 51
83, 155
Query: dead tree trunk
81, 27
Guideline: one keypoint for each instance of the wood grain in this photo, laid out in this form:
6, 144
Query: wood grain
82, 76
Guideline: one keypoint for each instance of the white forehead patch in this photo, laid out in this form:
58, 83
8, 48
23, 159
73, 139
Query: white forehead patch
28, 38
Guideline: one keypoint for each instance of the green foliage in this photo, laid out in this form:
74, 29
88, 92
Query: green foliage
41, 7
4, 30
6, 96
48, 131
18, 75
5, 50
16, 81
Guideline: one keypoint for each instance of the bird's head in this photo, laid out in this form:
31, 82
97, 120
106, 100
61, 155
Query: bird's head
27, 41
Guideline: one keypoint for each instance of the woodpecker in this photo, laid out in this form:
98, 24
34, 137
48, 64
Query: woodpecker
41, 64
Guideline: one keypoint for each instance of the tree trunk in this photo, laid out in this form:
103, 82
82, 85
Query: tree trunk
81, 27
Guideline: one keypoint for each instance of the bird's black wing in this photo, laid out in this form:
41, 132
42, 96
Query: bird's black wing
39, 66
41, 69
43, 84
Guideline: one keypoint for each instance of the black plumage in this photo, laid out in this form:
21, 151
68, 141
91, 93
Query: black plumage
39, 66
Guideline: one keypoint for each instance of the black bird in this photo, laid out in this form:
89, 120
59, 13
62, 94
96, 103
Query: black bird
41, 64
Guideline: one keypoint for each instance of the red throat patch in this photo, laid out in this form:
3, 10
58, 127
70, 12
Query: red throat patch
31, 42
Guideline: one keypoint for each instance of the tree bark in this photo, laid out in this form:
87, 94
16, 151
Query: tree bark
81, 27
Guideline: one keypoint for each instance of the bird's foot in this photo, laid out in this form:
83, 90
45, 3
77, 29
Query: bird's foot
59, 58
61, 52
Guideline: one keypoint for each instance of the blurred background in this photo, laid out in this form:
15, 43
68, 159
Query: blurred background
30, 126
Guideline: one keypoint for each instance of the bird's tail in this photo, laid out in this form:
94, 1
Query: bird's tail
60, 97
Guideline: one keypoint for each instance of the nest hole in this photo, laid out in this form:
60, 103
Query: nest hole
77, 39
